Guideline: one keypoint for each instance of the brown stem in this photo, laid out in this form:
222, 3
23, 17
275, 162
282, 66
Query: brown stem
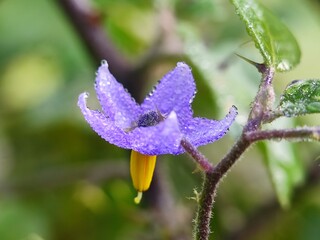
212, 178
262, 103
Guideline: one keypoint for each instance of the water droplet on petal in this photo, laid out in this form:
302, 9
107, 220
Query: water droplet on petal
181, 64
190, 127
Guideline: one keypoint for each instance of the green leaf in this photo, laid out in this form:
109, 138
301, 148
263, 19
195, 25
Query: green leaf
275, 42
285, 170
300, 97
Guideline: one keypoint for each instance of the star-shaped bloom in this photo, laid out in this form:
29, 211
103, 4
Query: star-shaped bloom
157, 125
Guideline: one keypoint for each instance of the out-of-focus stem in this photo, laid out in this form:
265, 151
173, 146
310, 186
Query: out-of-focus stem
87, 23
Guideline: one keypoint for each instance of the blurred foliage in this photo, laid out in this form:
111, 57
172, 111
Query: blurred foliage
284, 167
45, 142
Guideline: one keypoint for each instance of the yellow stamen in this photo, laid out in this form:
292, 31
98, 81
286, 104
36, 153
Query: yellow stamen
141, 169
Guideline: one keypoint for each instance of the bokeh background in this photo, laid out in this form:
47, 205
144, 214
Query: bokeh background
60, 181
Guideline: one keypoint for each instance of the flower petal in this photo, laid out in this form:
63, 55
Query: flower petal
163, 138
202, 131
103, 125
174, 92
115, 101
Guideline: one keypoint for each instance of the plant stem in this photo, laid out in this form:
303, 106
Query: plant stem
211, 180
264, 99
260, 111
261, 106
307, 133
203, 162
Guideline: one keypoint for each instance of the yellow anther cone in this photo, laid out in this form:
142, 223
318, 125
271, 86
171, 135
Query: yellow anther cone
141, 169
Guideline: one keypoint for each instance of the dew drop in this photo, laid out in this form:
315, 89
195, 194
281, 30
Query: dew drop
284, 65
190, 127
180, 64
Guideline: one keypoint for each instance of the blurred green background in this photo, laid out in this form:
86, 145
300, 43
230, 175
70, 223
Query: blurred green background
59, 180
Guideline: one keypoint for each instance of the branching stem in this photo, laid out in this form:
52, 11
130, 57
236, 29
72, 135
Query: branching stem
211, 180
261, 105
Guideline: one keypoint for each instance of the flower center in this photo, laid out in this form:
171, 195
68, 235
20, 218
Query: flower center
150, 119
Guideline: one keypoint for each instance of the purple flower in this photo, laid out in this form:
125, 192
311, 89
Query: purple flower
157, 125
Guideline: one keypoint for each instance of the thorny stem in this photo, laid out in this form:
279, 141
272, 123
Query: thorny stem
262, 104
251, 133
211, 180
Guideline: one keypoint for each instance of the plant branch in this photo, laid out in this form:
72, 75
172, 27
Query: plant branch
203, 162
304, 133
212, 178
261, 105
263, 101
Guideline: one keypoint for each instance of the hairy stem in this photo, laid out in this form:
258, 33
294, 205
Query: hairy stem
212, 178
263, 101
306, 133
203, 162
204, 214
261, 106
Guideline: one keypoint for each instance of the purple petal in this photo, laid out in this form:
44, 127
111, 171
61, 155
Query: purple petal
115, 101
174, 92
103, 125
202, 131
163, 138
